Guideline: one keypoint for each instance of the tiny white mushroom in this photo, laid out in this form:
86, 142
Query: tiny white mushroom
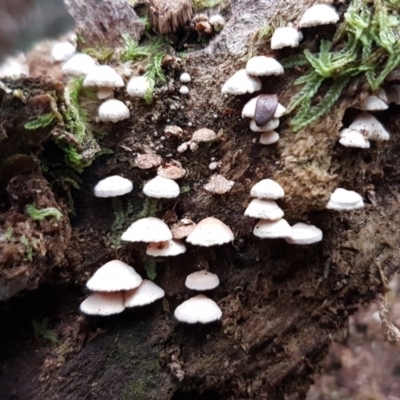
269, 126
319, 14
304, 234
353, 138
185, 77
103, 304
168, 248
79, 65
218, 184
105, 79
263, 66
202, 280
217, 21
148, 292
113, 110
147, 230
161, 188
267, 189
210, 232
182, 148
345, 200
113, 186
268, 138
366, 123
183, 89
114, 276
286, 36
266, 229
264, 209
62, 51
138, 86
240, 83
198, 309
373, 103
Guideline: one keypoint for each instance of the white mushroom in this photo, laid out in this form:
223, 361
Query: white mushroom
103, 304
210, 232
147, 230
79, 65
113, 111
218, 184
161, 188
269, 126
105, 79
286, 36
268, 138
198, 309
240, 83
264, 209
138, 86
353, 138
202, 280
373, 103
184, 89
114, 276
203, 135
304, 234
366, 123
279, 229
168, 248
267, 189
148, 292
62, 51
263, 66
345, 200
319, 14
113, 186
185, 77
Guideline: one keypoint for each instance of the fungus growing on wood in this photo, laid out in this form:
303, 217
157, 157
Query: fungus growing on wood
113, 186
264, 209
210, 232
366, 123
147, 230
218, 184
240, 83
268, 138
79, 65
202, 280
138, 86
304, 234
198, 309
286, 36
114, 276
279, 229
171, 170
345, 200
168, 248
147, 161
161, 188
373, 103
62, 51
103, 304
353, 138
319, 14
148, 292
105, 79
263, 66
113, 110
267, 189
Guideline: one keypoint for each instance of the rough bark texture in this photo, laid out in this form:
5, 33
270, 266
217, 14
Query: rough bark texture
282, 305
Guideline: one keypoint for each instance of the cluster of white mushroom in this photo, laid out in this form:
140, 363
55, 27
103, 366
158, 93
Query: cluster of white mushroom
202, 135
117, 286
271, 224
200, 308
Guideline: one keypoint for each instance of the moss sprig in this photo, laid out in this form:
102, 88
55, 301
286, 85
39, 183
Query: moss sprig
366, 44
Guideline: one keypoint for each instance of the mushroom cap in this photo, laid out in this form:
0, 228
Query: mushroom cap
249, 109
319, 14
304, 234
78, 65
218, 184
113, 110
62, 51
345, 200
263, 66
103, 76
269, 126
182, 228
148, 292
279, 229
138, 86
373, 103
185, 77
286, 36
353, 138
203, 135
268, 138
113, 277
171, 170
267, 189
240, 83
198, 309
366, 123
168, 248
161, 188
210, 231
147, 161
202, 280
113, 186
147, 230
264, 209
103, 304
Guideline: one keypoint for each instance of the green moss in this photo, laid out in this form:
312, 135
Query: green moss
202, 4
365, 45
40, 122
41, 330
38, 215
102, 54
